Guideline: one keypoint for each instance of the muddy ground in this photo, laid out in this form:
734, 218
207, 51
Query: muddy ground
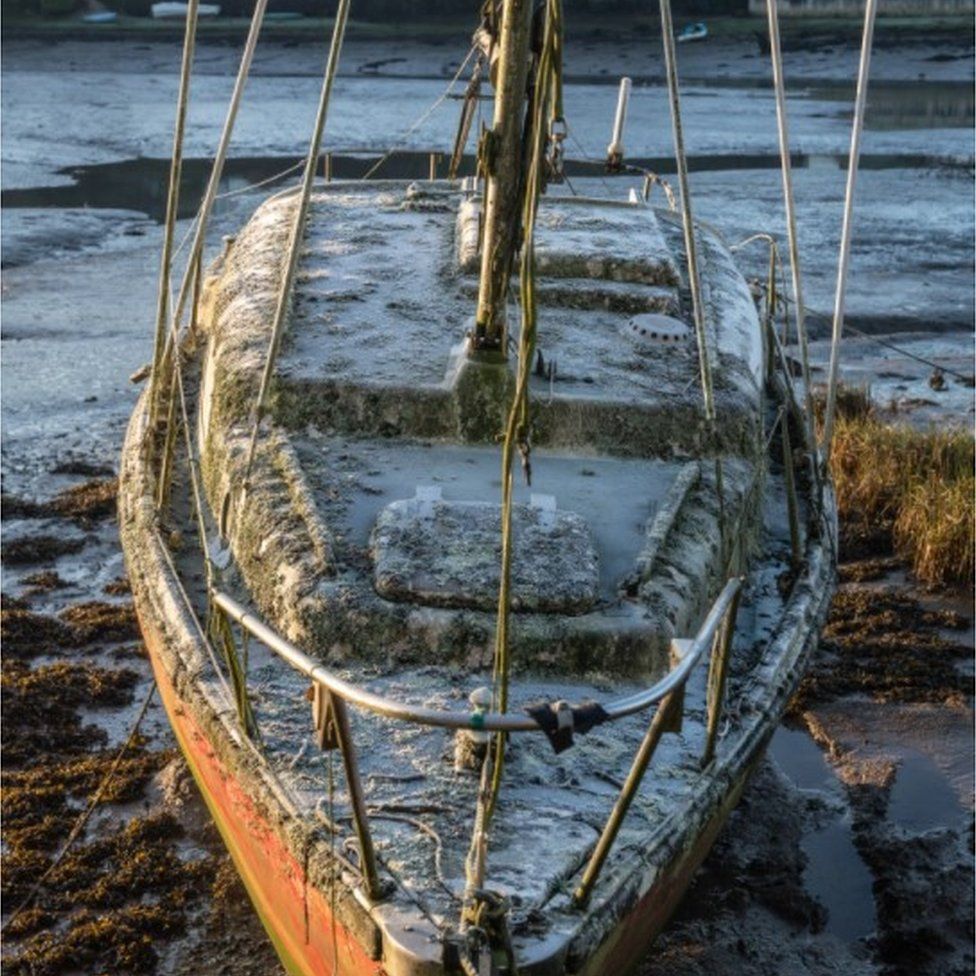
852, 849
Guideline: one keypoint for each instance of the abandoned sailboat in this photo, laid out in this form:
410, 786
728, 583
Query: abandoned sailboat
514, 655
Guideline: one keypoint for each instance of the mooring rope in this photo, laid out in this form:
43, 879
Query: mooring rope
844, 259
172, 205
298, 228
86, 814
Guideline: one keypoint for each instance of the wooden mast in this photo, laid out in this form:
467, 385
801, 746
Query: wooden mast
503, 164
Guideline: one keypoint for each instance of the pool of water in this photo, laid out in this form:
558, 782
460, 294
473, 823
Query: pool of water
834, 874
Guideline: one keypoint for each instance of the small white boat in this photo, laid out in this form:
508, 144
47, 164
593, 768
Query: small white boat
693, 32
171, 10
100, 17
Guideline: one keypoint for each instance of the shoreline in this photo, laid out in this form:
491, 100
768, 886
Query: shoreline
802, 30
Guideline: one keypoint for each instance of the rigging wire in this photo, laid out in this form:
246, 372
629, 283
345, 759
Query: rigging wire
423, 118
844, 258
217, 169
172, 204
691, 251
779, 85
297, 229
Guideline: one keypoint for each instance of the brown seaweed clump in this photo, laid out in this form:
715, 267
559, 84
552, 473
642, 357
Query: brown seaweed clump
24, 633
39, 548
85, 503
885, 644
120, 895
97, 620
88, 502
106, 902
27, 634
44, 581
117, 587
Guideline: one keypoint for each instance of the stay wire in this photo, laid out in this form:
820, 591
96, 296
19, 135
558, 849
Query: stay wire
423, 118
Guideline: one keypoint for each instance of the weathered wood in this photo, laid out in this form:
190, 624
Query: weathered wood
504, 177
717, 673
660, 724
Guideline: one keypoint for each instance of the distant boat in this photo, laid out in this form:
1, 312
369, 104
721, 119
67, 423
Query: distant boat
170, 10
100, 17
693, 32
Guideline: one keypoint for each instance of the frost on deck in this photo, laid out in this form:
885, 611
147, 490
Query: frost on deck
552, 807
375, 400
368, 534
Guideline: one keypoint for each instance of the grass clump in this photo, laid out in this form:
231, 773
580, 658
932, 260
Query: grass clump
914, 486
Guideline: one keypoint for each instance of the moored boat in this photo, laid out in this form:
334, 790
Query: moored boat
450, 718
175, 10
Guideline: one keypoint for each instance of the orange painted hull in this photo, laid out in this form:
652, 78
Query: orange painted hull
297, 916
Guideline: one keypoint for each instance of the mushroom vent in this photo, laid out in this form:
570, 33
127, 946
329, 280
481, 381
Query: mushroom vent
652, 330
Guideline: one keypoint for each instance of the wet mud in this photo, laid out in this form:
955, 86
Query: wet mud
134, 883
147, 888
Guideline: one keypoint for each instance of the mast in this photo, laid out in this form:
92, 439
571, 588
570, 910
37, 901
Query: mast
503, 164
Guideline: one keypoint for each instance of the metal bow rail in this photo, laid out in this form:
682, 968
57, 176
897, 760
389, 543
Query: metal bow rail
334, 693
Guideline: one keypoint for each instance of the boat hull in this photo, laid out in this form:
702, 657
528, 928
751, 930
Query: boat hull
318, 919
307, 936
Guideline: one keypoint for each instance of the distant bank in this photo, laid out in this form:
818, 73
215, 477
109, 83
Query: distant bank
817, 23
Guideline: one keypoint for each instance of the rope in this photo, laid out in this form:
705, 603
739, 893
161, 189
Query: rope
422, 119
430, 832
844, 258
667, 31
82, 821
871, 337
218, 627
298, 227
172, 204
546, 100
547, 95
237, 191
217, 170
910, 355
471, 96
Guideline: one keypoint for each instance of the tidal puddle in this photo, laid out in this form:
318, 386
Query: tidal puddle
140, 184
922, 798
892, 106
835, 874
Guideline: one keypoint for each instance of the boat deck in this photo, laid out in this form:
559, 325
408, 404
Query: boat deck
552, 807
386, 293
371, 526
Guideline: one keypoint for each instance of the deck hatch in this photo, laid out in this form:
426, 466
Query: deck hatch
448, 554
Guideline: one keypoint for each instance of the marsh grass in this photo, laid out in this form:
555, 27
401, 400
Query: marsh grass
916, 485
